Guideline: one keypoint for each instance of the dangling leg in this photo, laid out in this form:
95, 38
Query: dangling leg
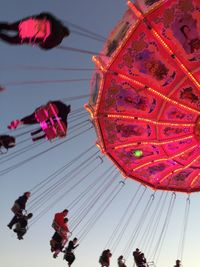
9, 26
72, 259
20, 233
58, 245
10, 39
38, 137
58, 249
26, 120
55, 255
29, 119
52, 244
37, 131
13, 221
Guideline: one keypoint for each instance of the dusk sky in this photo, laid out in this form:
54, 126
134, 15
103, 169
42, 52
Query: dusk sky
32, 77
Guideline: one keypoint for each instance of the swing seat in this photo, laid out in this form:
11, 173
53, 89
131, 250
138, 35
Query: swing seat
50, 132
52, 110
58, 129
49, 121
61, 129
41, 114
46, 112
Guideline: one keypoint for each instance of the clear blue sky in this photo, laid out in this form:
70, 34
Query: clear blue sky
17, 101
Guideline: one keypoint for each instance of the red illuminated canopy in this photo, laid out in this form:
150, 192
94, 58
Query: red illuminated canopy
145, 97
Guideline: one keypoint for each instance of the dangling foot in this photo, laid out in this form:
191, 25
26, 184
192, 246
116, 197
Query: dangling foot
14, 124
9, 226
55, 255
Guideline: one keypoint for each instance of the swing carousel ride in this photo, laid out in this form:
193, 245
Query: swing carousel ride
143, 111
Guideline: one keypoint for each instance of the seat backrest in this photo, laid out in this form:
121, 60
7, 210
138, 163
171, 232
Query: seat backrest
52, 110
41, 114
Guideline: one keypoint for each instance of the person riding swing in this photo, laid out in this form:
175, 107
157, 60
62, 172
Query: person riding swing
69, 251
